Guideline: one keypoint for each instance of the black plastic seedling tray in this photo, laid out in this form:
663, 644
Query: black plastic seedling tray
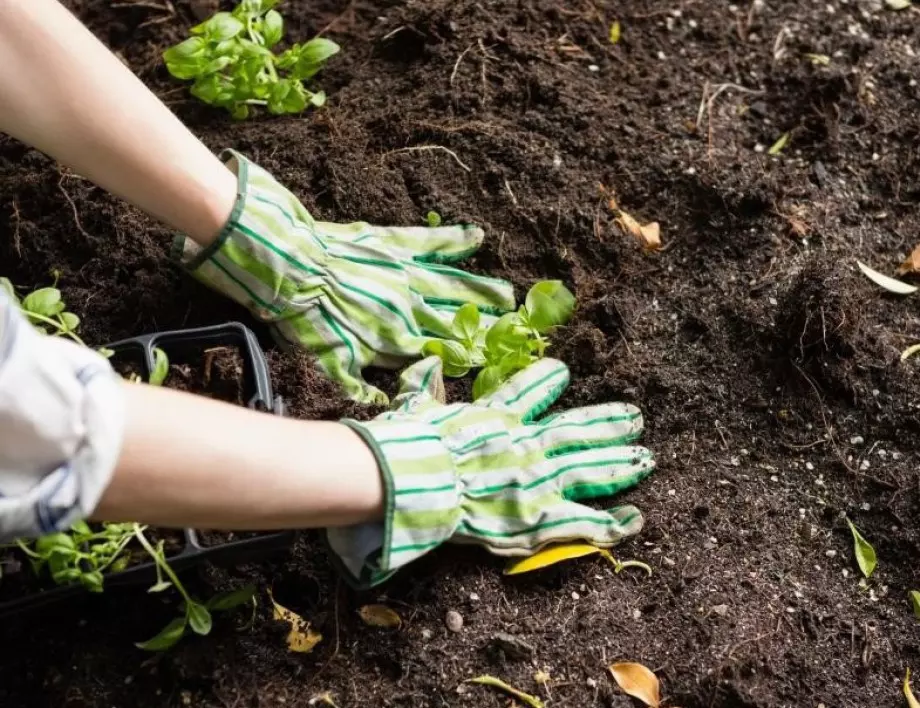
138, 352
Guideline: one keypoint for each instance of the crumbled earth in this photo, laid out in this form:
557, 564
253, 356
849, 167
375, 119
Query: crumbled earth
766, 366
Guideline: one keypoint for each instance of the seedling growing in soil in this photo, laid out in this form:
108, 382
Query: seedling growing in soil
46, 310
513, 342
433, 219
230, 59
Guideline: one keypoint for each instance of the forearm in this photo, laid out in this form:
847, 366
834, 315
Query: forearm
64, 93
191, 461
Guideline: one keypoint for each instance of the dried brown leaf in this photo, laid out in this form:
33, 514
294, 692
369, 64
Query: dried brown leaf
379, 616
648, 235
638, 681
301, 639
912, 264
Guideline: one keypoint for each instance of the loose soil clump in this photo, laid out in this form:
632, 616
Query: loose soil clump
766, 368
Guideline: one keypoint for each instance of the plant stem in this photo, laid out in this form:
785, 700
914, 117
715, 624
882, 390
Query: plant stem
57, 325
161, 563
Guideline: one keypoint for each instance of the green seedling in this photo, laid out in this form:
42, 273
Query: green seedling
513, 342
433, 219
231, 61
46, 310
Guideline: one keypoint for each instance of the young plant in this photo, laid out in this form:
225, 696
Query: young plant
513, 342
46, 310
229, 58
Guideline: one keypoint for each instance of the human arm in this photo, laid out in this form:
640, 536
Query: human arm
63, 92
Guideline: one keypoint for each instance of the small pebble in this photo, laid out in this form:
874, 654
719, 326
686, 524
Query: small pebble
427, 634
857, 440
592, 683
831, 553
474, 597
809, 466
575, 595
637, 614
865, 506
720, 610
454, 621
672, 492
593, 67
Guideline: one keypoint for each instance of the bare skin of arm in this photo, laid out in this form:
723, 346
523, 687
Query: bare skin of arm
186, 460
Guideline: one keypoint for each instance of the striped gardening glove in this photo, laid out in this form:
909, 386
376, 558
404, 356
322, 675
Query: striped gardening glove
491, 474
354, 295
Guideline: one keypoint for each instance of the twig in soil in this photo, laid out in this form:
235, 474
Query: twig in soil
73, 206
350, 8
453, 74
710, 93
513, 198
16, 240
418, 148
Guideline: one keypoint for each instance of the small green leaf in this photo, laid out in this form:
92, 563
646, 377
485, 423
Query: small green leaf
615, 31
160, 586
487, 381
549, 304
318, 99
865, 553
454, 355
219, 28
466, 324
92, 581
433, 219
777, 147
915, 602
272, 28
187, 59
54, 541
318, 50
166, 638
160, 367
81, 527
531, 701
106, 352
45, 302
70, 321
239, 112
232, 598
199, 619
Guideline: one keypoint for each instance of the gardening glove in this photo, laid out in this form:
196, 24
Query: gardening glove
354, 295
61, 426
491, 474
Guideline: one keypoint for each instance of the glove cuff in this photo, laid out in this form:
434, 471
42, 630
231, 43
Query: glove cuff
422, 506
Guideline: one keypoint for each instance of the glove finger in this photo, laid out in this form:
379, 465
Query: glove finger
561, 522
420, 384
339, 354
444, 286
443, 244
601, 471
585, 428
531, 391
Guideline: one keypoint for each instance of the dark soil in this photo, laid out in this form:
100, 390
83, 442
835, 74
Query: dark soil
767, 367
216, 372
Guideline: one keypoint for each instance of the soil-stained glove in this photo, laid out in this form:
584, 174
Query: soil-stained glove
491, 474
61, 428
354, 295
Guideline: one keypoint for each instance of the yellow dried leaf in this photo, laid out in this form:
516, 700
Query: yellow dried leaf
898, 4
301, 638
532, 701
541, 677
638, 682
912, 702
819, 59
550, 556
615, 31
648, 235
324, 698
892, 285
777, 147
379, 616
912, 264
910, 351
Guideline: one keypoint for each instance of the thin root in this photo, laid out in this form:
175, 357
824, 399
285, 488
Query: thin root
419, 148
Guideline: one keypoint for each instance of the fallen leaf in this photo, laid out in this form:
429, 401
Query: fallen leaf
910, 351
649, 235
819, 59
638, 682
325, 698
865, 553
912, 264
615, 31
301, 638
898, 4
915, 601
550, 556
890, 284
541, 677
379, 616
532, 701
777, 147
908, 694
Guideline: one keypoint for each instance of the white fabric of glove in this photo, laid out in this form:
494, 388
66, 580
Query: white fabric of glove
62, 416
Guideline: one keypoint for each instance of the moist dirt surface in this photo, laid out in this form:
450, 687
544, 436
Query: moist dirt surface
766, 366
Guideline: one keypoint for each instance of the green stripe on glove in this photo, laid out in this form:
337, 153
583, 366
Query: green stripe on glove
354, 295
491, 474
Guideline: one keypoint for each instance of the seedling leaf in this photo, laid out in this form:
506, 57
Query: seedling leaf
865, 553
912, 702
890, 284
44, 301
615, 31
433, 219
199, 619
454, 355
301, 639
549, 304
160, 367
379, 616
638, 681
70, 321
777, 147
232, 598
487, 381
915, 602
167, 637
532, 701
160, 586
550, 556
466, 324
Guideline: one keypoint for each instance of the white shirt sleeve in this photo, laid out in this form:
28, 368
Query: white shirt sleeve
61, 428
